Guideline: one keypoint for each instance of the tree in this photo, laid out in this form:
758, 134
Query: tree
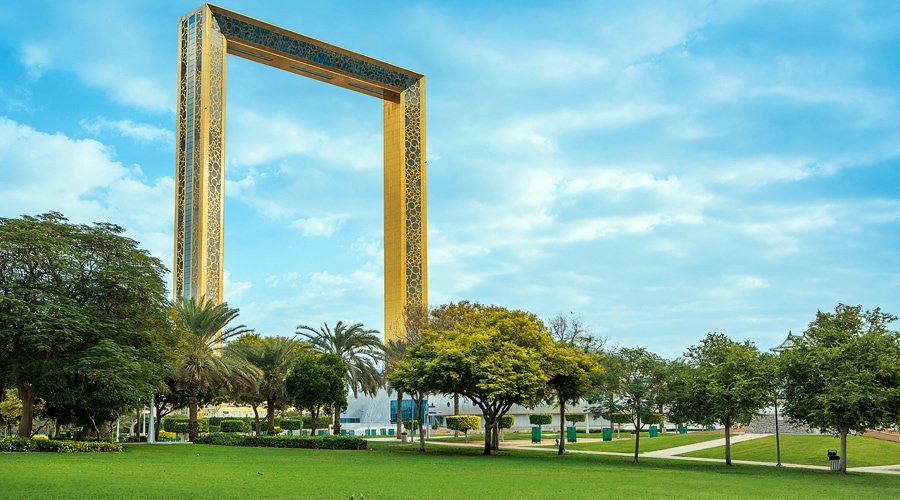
78, 302
315, 381
636, 373
407, 377
463, 423
493, 356
203, 326
273, 357
727, 382
360, 351
572, 373
844, 374
10, 410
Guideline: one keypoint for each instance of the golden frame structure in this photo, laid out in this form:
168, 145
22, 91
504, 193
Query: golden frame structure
206, 36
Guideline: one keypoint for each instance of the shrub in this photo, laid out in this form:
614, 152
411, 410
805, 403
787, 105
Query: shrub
620, 417
540, 418
40, 437
506, 421
308, 442
214, 428
463, 423
411, 424
166, 435
233, 426
181, 424
17, 444
322, 422
575, 417
181, 427
290, 424
655, 419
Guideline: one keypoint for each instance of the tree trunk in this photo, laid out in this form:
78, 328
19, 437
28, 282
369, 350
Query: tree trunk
26, 394
399, 413
336, 424
314, 417
495, 435
727, 423
637, 434
192, 418
562, 427
270, 413
487, 437
456, 411
256, 419
843, 461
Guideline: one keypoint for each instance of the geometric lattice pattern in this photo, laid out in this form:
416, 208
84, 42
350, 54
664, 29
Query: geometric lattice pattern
206, 35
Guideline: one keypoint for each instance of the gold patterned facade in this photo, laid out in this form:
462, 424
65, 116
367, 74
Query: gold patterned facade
206, 36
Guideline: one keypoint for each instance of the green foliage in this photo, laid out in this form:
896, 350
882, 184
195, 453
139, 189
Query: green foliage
82, 319
411, 424
491, 355
463, 423
309, 442
575, 417
844, 374
359, 350
234, 426
540, 418
25, 444
215, 428
167, 435
181, 424
317, 380
653, 419
620, 417
507, 421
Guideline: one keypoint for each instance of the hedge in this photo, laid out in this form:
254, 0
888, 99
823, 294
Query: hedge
233, 426
540, 418
22, 444
293, 424
180, 424
620, 417
411, 424
167, 435
308, 442
506, 421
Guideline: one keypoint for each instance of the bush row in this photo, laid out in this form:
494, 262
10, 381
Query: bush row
23, 444
309, 442
293, 424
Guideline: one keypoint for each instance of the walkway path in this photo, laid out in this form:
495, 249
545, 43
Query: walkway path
715, 443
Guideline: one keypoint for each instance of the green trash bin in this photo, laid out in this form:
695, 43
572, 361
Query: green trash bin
607, 433
682, 429
391, 431
322, 432
290, 432
535, 434
654, 431
570, 434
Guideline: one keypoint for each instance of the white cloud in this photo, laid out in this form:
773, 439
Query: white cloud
318, 226
127, 86
233, 290
37, 59
143, 132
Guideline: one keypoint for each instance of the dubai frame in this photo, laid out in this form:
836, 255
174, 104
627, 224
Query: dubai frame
206, 35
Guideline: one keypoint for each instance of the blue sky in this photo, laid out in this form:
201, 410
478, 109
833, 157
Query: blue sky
663, 169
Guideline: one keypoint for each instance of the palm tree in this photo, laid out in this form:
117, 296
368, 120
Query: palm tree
203, 326
273, 357
360, 351
394, 351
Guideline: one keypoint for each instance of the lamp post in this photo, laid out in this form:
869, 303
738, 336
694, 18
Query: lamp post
431, 414
789, 343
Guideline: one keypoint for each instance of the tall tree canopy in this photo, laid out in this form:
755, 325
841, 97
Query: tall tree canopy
359, 349
83, 320
633, 375
727, 382
317, 381
493, 356
844, 374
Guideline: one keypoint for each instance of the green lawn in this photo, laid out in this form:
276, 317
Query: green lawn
810, 450
398, 471
661, 442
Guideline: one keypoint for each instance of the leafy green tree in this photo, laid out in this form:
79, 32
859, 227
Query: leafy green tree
77, 303
10, 410
572, 378
728, 382
636, 373
394, 352
360, 351
273, 358
844, 374
316, 381
406, 377
463, 423
203, 326
491, 355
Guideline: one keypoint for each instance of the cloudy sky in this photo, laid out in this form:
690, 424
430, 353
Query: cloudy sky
662, 169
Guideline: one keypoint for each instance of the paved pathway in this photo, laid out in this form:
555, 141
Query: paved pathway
715, 443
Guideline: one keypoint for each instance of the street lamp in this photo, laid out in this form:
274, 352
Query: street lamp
789, 343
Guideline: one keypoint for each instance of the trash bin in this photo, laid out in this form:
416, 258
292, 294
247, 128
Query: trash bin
403, 436
654, 431
535, 434
571, 434
290, 432
607, 433
834, 460
323, 432
391, 432
682, 429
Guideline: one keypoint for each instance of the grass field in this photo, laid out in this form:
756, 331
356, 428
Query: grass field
392, 470
810, 450
661, 442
